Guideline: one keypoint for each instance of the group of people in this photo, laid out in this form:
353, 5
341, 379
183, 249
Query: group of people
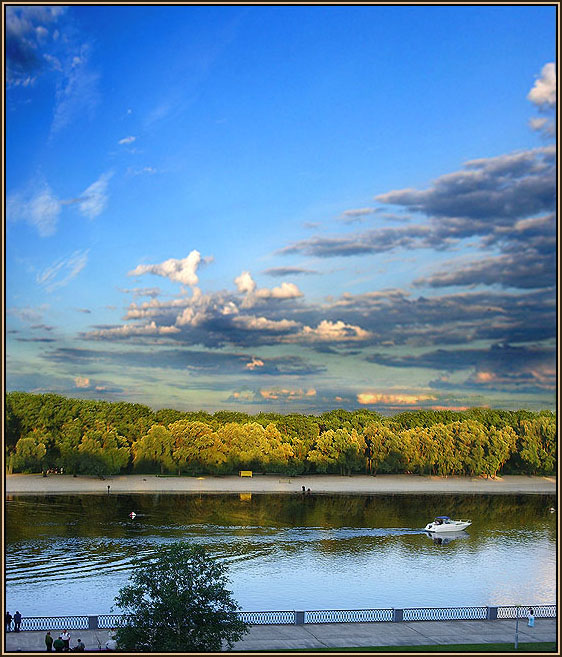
62, 643
17, 621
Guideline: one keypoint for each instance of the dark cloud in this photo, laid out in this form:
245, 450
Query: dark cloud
280, 272
524, 270
35, 339
502, 366
372, 241
27, 29
496, 199
503, 188
196, 362
459, 359
390, 317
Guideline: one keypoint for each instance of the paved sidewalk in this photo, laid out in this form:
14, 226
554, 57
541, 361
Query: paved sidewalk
268, 638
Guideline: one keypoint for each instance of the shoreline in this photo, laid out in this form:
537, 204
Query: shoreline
54, 484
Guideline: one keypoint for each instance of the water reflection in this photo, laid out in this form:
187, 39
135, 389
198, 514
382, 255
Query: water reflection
445, 539
284, 552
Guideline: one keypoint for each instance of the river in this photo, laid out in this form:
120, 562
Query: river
70, 554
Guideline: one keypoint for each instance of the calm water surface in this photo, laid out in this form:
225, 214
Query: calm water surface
71, 554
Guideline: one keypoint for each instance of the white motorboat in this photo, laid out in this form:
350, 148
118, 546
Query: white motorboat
445, 524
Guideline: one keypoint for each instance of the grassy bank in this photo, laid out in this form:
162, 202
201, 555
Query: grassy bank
545, 646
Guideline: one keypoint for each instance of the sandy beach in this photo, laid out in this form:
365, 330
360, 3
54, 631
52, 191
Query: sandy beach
36, 484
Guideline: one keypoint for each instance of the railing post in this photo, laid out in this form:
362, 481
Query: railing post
93, 623
397, 615
299, 617
491, 613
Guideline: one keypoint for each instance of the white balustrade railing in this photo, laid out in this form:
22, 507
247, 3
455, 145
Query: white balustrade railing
500, 612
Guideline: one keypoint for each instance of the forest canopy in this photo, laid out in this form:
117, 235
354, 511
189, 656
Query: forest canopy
77, 436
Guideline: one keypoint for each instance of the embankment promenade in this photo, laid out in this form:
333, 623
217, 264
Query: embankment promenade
265, 638
36, 484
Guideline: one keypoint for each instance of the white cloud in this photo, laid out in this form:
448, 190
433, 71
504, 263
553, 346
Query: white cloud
255, 362
543, 125
93, 200
62, 271
78, 94
53, 61
39, 207
246, 285
28, 314
41, 210
367, 398
543, 93
334, 332
350, 216
182, 271
252, 323
245, 282
283, 291
82, 382
287, 394
128, 331
127, 140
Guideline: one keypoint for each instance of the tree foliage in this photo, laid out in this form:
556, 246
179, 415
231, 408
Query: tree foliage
178, 602
97, 437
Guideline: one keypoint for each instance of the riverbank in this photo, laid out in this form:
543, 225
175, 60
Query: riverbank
54, 484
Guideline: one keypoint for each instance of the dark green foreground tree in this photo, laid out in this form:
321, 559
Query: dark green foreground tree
178, 602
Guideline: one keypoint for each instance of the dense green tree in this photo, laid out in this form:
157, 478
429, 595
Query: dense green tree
102, 451
500, 445
68, 443
478, 441
338, 451
178, 602
538, 445
167, 416
197, 447
378, 440
446, 461
154, 450
30, 452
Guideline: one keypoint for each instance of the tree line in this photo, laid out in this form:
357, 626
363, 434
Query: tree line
97, 437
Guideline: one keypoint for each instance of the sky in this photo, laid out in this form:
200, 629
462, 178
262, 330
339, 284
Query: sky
282, 208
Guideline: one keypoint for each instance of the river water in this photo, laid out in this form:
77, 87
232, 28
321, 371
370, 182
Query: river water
71, 554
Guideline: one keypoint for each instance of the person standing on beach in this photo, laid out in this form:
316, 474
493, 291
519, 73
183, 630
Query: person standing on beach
49, 642
531, 617
65, 636
8, 622
58, 644
17, 621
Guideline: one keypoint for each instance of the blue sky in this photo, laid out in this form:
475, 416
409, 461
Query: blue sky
282, 208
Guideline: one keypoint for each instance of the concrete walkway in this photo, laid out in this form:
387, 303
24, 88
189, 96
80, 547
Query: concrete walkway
268, 638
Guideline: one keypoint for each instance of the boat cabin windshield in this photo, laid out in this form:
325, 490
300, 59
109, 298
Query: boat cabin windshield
442, 520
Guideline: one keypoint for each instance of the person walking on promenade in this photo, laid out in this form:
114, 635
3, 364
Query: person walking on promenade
17, 621
8, 622
79, 647
58, 644
49, 642
531, 617
65, 636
